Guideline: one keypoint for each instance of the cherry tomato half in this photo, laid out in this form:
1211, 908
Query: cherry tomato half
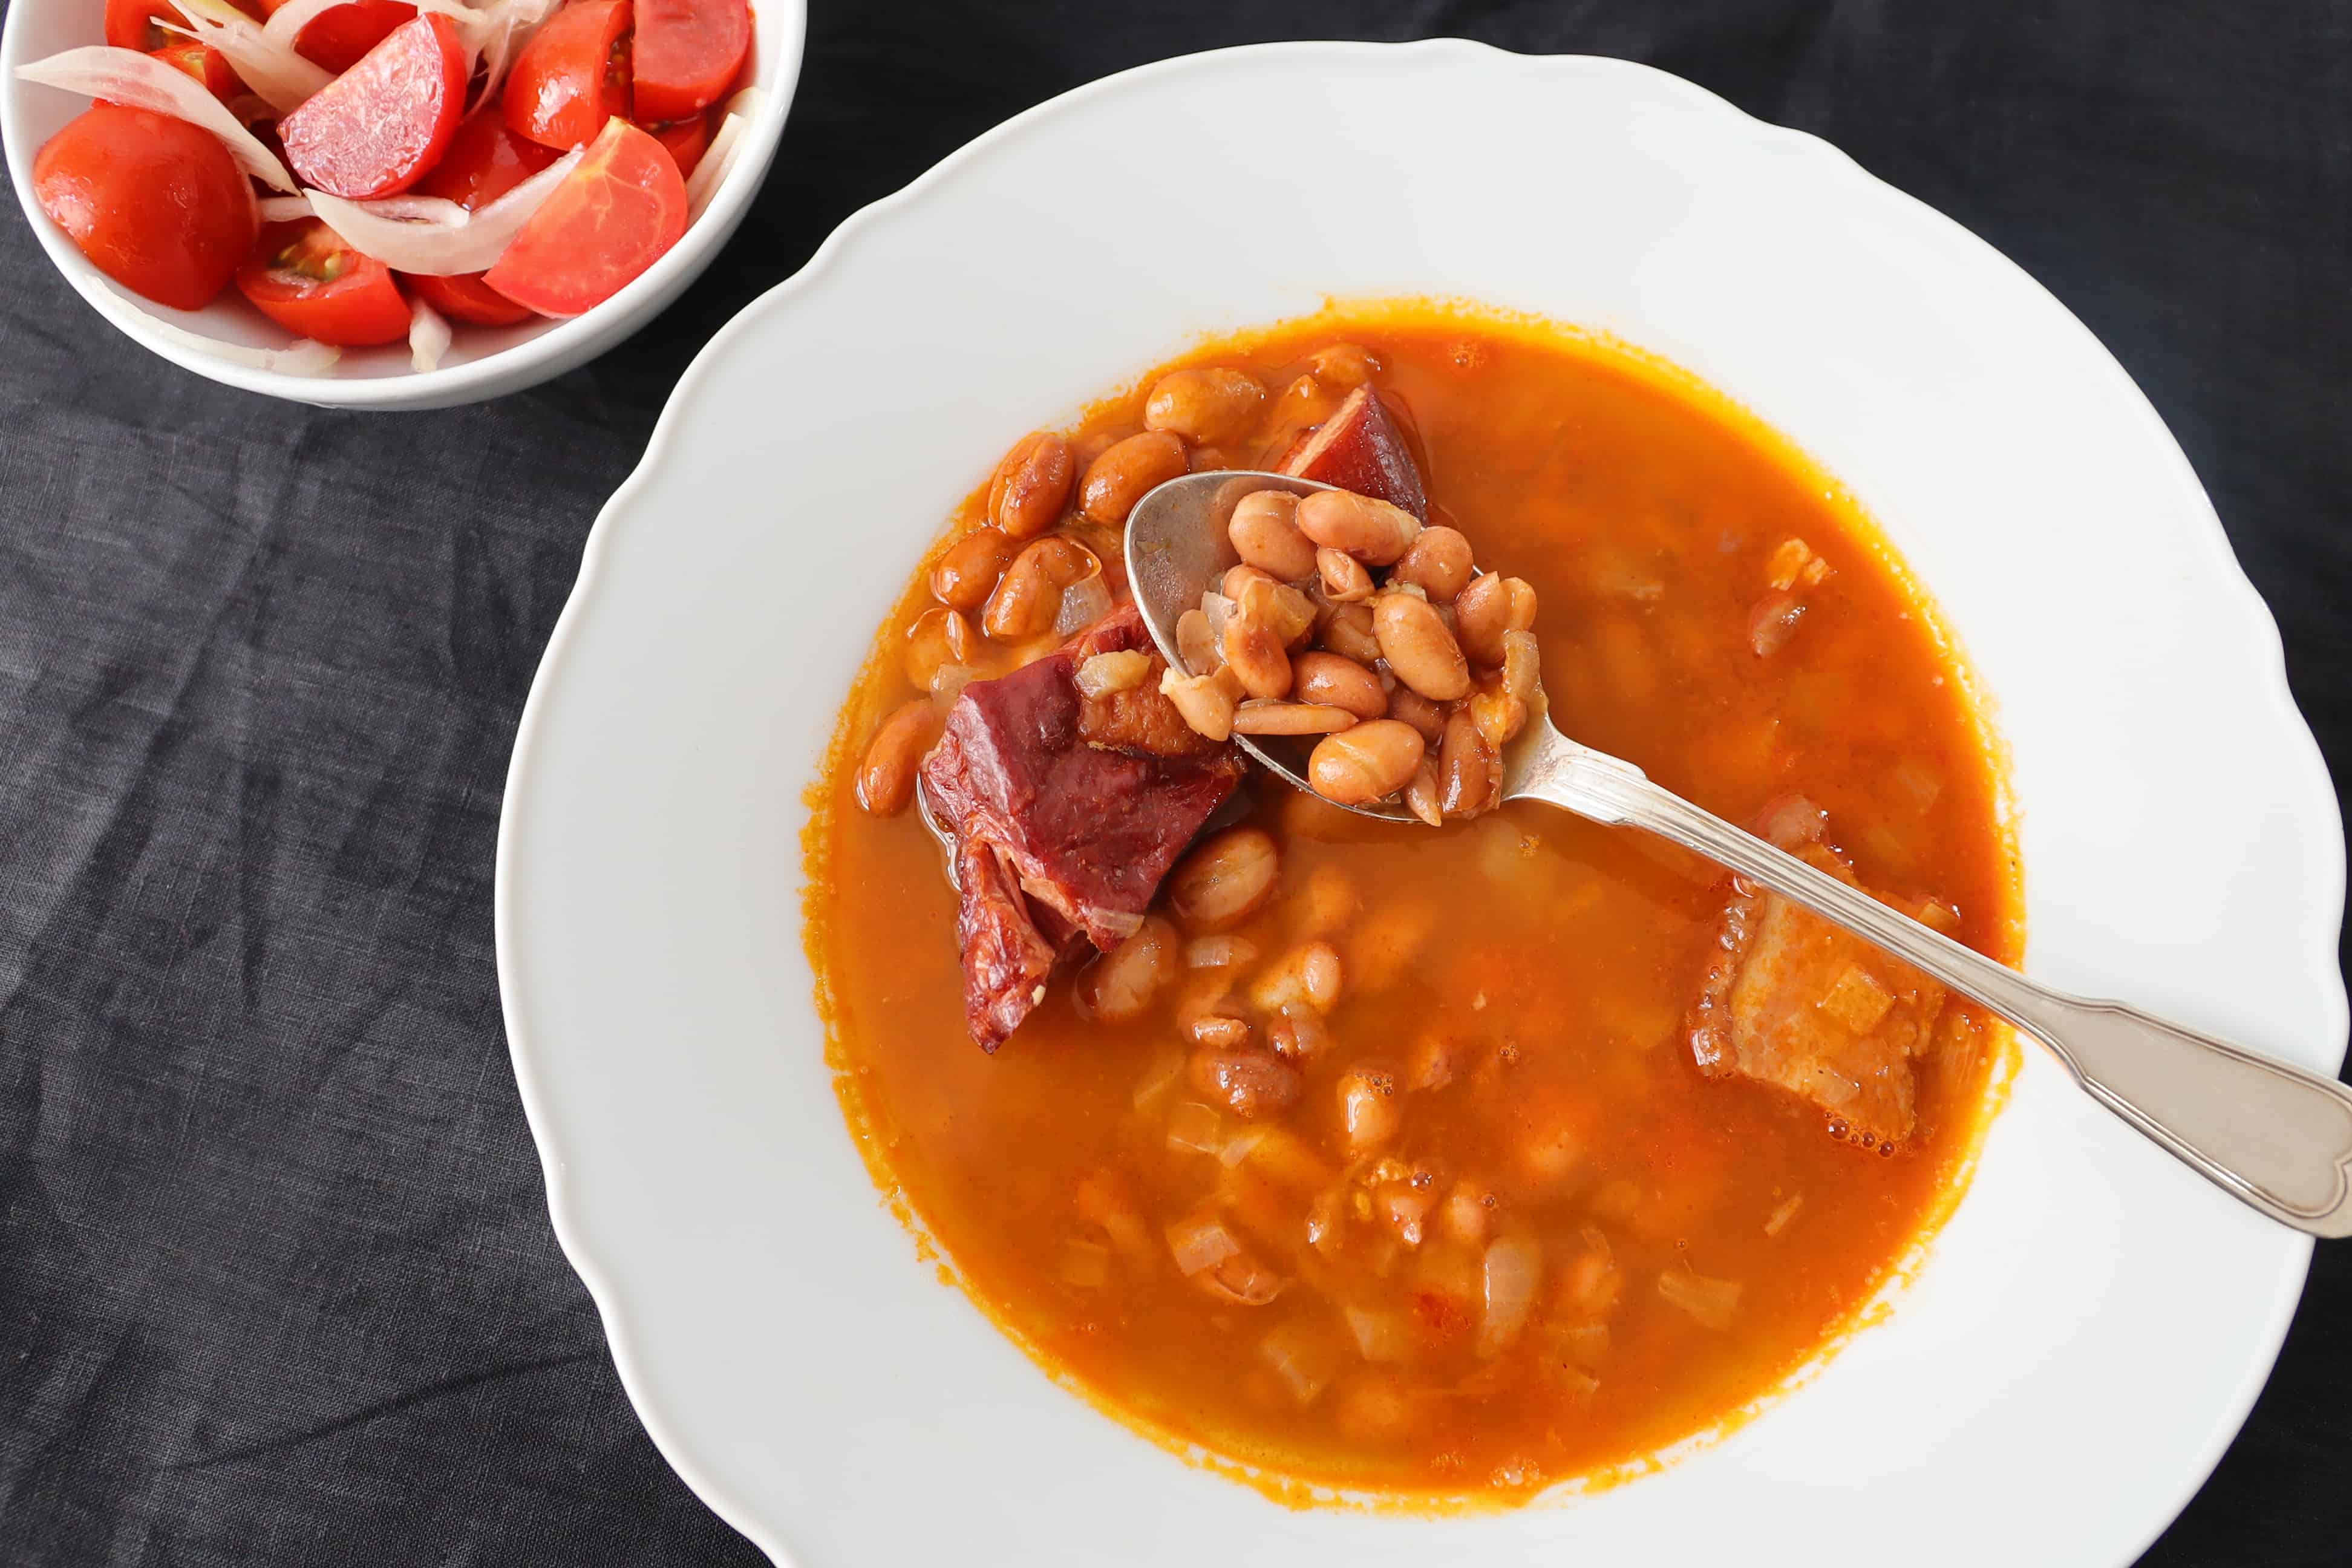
571, 76
156, 203
207, 65
466, 298
687, 54
304, 277
685, 141
380, 127
130, 24
611, 218
339, 38
484, 162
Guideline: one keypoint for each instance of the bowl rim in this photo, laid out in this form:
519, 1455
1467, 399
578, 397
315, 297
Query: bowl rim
527, 1053
560, 347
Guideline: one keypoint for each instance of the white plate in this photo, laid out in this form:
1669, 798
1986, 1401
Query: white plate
2093, 1323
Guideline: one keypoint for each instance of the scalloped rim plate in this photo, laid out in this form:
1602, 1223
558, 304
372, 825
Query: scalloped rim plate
2089, 1329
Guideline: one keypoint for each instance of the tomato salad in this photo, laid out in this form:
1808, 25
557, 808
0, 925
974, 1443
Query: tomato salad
367, 170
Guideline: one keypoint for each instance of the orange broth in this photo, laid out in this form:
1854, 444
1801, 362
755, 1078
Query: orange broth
1553, 961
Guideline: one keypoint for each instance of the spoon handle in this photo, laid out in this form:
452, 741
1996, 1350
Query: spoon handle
2271, 1135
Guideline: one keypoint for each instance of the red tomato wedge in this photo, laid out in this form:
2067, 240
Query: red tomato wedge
380, 127
130, 24
208, 66
304, 277
339, 39
571, 76
609, 220
685, 141
156, 203
466, 298
687, 54
484, 162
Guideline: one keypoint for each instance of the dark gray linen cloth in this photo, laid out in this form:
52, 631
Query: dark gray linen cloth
276, 1285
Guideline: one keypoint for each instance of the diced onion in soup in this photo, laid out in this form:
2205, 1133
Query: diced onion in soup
1381, 1335
1219, 610
138, 81
1200, 1240
1302, 1357
1238, 1147
1084, 1264
1108, 672
1158, 1078
1513, 1267
1195, 1127
1083, 603
948, 682
1712, 1302
1780, 1216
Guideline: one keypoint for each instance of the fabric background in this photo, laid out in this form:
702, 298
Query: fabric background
277, 1284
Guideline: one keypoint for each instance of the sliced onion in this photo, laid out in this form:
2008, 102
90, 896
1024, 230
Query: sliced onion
948, 682
718, 160
428, 336
1083, 603
1240, 1146
440, 249
1223, 951
1158, 1078
1086, 1263
1242, 1280
1711, 1301
283, 209
269, 67
1300, 1357
1199, 1241
133, 79
304, 357
1514, 1269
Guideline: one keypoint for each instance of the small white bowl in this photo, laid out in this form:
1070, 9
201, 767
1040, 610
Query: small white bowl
484, 361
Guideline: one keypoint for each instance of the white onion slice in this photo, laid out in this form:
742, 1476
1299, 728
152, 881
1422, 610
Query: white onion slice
1513, 1267
270, 68
717, 159
304, 357
506, 26
1083, 603
428, 336
284, 209
441, 249
127, 77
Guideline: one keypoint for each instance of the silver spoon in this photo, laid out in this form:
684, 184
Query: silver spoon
2271, 1135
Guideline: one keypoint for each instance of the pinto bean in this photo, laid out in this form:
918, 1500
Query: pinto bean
1307, 974
1031, 485
1373, 531
1465, 768
1414, 641
885, 779
1254, 652
1264, 529
1237, 578
1438, 563
963, 578
1260, 717
1278, 607
1345, 580
1419, 712
1336, 682
1203, 405
1029, 594
1206, 701
1220, 1031
1125, 472
1422, 796
1250, 1082
1488, 608
939, 635
1343, 364
1347, 630
1226, 878
1124, 982
1358, 767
